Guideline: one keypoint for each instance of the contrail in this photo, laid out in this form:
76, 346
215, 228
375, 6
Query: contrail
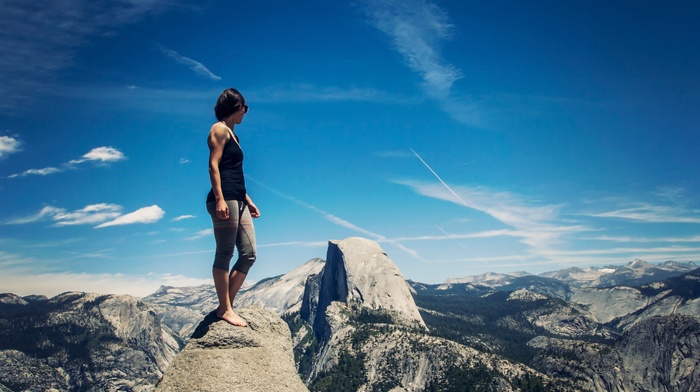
440, 179
329, 217
339, 221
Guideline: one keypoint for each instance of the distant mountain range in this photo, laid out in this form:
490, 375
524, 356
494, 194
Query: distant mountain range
634, 273
356, 324
82, 342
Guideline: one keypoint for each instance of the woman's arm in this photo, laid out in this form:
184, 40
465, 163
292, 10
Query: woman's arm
254, 211
218, 136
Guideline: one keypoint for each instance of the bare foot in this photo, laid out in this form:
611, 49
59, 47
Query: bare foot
232, 318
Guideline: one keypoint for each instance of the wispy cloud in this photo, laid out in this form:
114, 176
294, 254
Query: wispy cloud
303, 244
623, 239
38, 172
109, 214
552, 239
626, 251
39, 39
449, 236
8, 145
416, 29
197, 67
305, 92
89, 215
508, 208
46, 212
182, 217
201, 234
537, 225
342, 222
649, 213
100, 155
12, 260
142, 215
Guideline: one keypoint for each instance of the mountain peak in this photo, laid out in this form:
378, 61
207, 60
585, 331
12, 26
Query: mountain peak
358, 270
637, 263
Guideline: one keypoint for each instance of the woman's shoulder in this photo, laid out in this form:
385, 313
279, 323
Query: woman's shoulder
219, 130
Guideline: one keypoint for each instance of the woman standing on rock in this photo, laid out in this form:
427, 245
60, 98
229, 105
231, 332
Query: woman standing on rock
229, 205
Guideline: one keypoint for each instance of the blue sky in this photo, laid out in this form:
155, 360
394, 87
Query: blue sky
463, 137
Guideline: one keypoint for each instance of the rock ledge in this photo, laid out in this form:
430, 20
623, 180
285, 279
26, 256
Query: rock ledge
221, 357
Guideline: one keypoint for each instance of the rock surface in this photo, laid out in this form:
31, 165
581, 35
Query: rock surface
221, 357
281, 294
82, 341
358, 271
657, 354
181, 308
560, 331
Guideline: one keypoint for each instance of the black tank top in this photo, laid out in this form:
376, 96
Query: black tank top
231, 172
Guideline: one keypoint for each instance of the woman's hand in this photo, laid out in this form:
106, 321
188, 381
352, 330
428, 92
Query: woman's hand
254, 211
222, 211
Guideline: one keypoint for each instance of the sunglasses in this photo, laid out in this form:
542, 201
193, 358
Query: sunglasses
245, 108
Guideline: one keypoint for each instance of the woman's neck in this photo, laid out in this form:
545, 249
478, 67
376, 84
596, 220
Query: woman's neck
230, 125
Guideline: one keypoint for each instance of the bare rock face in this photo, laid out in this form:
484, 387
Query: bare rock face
82, 341
221, 357
282, 294
358, 271
181, 308
657, 354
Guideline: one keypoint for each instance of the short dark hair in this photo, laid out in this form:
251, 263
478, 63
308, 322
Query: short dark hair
229, 101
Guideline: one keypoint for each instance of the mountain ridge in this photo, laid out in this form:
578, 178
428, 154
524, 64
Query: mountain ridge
513, 332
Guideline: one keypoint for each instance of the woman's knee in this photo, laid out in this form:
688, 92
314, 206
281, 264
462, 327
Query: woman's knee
222, 259
245, 262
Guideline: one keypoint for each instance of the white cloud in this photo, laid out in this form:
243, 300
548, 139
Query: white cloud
193, 65
8, 145
103, 154
184, 161
110, 214
99, 154
416, 28
509, 208
547, 236
142, 215
45, 212
91, 214
88, 215
39, 172
202, 234
183, 217
536, 224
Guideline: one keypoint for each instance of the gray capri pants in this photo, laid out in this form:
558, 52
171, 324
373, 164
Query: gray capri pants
236, 231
